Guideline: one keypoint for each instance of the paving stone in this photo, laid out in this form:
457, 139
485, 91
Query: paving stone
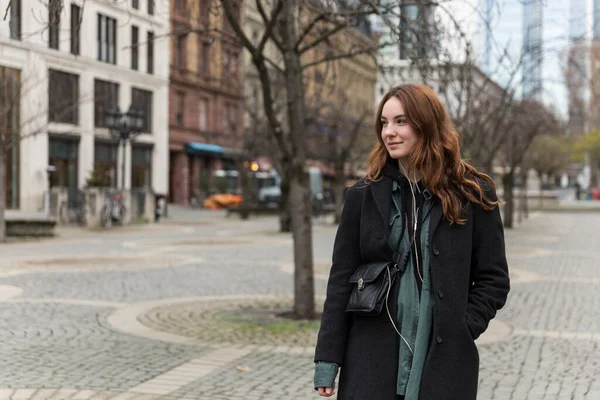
67, 349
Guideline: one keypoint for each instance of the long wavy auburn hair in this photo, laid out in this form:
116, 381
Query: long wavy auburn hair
437, 154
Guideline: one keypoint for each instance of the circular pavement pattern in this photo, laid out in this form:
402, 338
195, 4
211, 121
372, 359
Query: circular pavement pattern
248, 321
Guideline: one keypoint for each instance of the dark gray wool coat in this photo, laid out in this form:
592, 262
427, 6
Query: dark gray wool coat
470, 282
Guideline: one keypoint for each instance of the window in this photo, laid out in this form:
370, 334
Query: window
150, 53
75, 29
142, 100
180, 107
15, 19
205, 67
54, 8
318, 76
230, 64
63, 97
63, 156
10, 93
105, 95
180, 51
135, 4
180, 6
105, 162
225, 62
141, 166
205, 11
107, 39
151, 7
233, 65
135, 38
231, 116
203, 114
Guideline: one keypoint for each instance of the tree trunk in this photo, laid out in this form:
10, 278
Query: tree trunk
541, 202
299, 201
339, 188
525, 197
285, 222
522, 206
246, 181
2, 195
304, 299
509, 204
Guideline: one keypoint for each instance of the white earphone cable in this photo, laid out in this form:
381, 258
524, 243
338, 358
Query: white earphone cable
387, 296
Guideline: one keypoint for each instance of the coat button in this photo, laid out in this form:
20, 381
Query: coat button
439, 339
436, 252
440, 294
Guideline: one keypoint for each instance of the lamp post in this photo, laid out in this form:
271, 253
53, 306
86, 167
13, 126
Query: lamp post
124, 127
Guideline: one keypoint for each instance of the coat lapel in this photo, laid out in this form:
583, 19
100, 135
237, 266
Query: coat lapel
437, 212
382, 195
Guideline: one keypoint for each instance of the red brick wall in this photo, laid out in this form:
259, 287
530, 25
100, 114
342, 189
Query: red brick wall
219, 88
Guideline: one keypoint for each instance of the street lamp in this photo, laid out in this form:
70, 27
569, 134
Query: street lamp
124, 127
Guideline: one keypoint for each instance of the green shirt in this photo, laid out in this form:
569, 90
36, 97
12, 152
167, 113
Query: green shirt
415, 313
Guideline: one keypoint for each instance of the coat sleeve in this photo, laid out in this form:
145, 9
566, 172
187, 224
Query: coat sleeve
335, 322
489, 269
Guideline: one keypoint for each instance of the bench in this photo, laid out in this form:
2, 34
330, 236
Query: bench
20, 227
32, 224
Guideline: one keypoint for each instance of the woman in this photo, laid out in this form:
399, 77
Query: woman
423, 207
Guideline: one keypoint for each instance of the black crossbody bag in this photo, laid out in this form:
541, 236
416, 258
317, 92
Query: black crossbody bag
372, 283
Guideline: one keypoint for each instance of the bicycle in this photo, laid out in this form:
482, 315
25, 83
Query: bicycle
113, 210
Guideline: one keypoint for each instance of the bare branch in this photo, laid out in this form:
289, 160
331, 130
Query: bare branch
270, 24
7, 9
228, 8
324, 37
341, 56
308, 28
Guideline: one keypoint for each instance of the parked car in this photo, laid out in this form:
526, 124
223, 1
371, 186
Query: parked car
270, 191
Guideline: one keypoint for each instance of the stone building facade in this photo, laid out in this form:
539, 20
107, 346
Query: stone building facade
205, 97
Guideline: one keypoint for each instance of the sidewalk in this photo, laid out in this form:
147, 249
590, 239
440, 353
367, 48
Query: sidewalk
152, 313
178, 213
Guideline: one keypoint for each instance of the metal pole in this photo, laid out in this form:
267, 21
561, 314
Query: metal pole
123, 165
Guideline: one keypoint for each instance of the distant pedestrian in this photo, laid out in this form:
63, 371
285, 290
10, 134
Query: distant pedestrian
577, 191
419, 266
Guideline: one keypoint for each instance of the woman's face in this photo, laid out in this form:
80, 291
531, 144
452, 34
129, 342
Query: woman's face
398, 136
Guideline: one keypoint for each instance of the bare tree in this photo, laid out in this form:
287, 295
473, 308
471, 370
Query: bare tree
10, 89
308, 34
338, 137
477, 104
528, 119
302, 32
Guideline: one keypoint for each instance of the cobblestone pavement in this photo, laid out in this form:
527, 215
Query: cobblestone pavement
129, 314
